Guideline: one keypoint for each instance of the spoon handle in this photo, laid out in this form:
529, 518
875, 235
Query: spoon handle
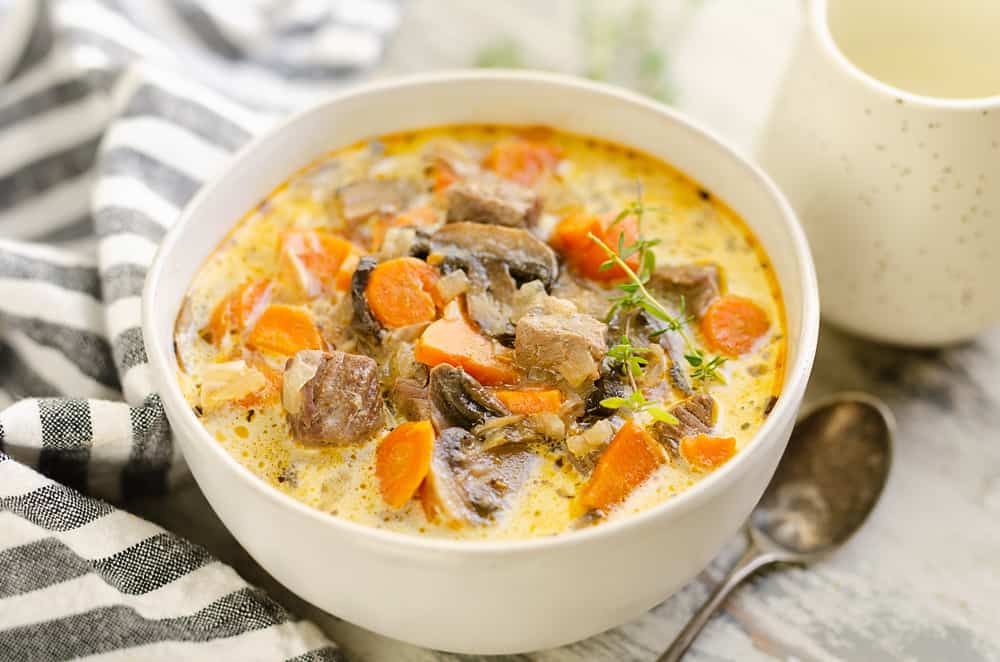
753, 559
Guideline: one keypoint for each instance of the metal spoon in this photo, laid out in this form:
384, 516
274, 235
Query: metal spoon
827, 482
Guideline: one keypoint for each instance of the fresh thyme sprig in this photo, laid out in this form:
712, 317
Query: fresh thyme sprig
704, 369
635, 295
636, 401
632, 366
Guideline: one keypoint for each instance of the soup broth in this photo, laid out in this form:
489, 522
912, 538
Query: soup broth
418, 333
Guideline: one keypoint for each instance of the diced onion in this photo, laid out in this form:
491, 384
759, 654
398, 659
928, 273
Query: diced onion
594, 437
452, 285
303, 367
224, 382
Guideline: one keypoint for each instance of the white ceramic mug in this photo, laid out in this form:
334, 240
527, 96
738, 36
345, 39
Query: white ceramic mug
885, 136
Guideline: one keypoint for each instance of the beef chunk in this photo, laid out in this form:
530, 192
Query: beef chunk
411, 400
485, 198
696, 415
697, 283
364, 198
570, 344
332, 397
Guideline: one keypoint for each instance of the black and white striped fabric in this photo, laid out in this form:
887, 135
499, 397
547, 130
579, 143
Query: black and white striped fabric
112, 114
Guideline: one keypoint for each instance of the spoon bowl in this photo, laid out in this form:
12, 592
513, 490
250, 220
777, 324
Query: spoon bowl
828, 481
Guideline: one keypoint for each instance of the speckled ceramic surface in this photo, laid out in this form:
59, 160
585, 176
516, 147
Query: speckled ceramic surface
896, 191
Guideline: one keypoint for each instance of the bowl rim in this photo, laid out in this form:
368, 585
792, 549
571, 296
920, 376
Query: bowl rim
796, 376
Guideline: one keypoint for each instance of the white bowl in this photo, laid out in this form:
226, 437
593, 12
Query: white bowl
482, 597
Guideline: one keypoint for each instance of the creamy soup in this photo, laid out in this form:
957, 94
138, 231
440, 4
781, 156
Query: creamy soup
484, 332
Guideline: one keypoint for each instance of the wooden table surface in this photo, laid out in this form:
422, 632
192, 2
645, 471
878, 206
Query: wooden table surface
921, 581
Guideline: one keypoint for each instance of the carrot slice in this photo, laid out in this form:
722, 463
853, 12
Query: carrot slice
400, 292
311, 261
732, 325
237, 310
707, 452
402, 460
531, 401
443, 178
454, 341
284, 330
571, 238
346, 271
522, 160
628, 461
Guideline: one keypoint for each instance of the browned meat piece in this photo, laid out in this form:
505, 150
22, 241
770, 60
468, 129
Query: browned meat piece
332, 397
364, 198
696, 415
467, 485
697, 283
569, 344
411, 400
485, 198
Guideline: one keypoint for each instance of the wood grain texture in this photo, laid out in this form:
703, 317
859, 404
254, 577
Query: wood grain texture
921, 581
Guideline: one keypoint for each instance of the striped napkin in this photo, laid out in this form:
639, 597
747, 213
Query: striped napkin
112, 114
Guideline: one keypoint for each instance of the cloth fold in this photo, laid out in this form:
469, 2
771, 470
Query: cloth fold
102, 142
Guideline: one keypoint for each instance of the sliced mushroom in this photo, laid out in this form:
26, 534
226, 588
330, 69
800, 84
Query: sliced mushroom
467, 485
363, 321
520, 429
490, 295
696, 415
461, 401
673, 345
609, 385
364, 198
527, 257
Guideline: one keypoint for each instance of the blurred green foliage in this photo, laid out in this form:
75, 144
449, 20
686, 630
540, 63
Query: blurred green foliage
619, 47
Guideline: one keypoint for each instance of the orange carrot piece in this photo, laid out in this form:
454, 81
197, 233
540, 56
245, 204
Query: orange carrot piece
454, 341
443, 178
531, 401
346, 272
320, 253
707, 452
628, 461
522, 160
400, 292
237, 310
284, 330
571, 238
732, 325
402, 460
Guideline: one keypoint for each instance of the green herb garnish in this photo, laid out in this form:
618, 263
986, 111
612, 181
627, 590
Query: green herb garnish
635, 296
